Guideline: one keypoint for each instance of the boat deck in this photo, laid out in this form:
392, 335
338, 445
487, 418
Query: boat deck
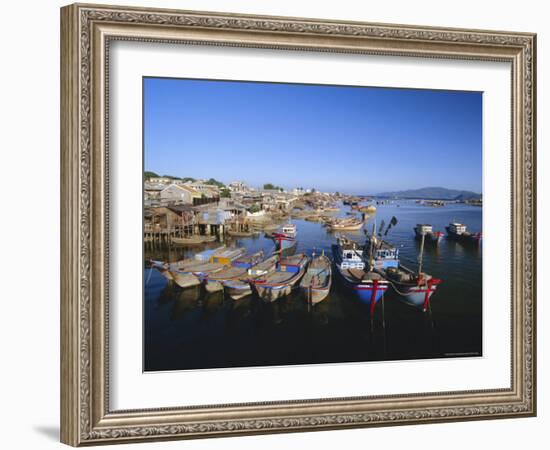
228, 273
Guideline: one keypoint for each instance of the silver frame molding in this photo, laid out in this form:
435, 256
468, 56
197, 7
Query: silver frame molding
86, 31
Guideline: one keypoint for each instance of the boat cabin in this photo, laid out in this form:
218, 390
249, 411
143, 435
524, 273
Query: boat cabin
288, 229
423, 228
457, 228
351, 255
384, 254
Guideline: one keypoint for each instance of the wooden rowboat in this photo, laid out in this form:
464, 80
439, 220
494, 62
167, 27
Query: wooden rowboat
317, 281
279, 283
192, 240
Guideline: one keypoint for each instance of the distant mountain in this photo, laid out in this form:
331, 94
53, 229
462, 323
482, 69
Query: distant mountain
432, 193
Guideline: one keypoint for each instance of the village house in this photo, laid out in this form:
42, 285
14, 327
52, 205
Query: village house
160, 180
187, 194
238, 187
168, 217
180, 193
151, 192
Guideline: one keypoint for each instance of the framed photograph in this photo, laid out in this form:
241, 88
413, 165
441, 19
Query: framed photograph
276, 224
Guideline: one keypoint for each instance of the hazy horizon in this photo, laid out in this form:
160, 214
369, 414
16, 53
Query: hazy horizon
289, 188
356, 140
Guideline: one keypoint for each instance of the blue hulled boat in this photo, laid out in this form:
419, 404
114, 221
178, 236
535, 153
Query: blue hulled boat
368, 285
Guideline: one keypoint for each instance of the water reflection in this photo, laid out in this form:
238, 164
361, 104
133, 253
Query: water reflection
189, 329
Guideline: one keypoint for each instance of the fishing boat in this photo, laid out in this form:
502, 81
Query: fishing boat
280, 282
165, 268
414, 288
195, 274
458, 232
346, 224
236, 270
238, 288
285, 239
368, 209
241, 233
365, 282
317, 280
431, 237
162, 267
190, 240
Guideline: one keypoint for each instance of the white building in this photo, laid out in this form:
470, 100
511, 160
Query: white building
238, 187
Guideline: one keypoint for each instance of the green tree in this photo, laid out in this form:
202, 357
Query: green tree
215, 182
254, 208
225, 193
270, 186
148, 174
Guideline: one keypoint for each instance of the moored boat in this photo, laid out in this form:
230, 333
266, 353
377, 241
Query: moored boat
280, 282
285, 239
241, 233
238, 288
166, 268
317, 280
189, 240
365, 282
430, 236
346, 224
238, 268
193, 275
192, 240
413, 288
458, 232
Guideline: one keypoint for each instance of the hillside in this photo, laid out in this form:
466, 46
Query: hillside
432, 193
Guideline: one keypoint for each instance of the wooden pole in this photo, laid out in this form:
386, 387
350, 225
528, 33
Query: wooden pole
421, 253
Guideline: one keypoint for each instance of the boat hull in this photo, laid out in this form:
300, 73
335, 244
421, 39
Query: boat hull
163, 269
269, 291
413, 295
369, 292
347, 227
286, 247
185, 279
237, 289
315, 295
366, 293
431, 238
465, 238
213, 286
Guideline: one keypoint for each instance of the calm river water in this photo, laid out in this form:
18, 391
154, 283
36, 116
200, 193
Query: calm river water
188, 329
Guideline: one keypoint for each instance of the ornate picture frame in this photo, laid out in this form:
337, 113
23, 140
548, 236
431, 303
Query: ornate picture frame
86, 33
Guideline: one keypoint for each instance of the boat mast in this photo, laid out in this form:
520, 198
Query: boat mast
421, 252
371, 252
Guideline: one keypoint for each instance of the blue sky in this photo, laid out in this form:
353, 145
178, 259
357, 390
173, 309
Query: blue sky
331, 138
